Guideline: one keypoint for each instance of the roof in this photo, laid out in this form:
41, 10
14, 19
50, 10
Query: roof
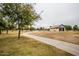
61, 26
57, 26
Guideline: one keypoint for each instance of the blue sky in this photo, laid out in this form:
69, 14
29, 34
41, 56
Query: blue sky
57, 13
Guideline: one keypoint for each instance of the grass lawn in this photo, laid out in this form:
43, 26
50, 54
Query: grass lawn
11, 46
71, 36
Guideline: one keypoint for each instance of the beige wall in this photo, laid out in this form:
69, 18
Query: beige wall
56, 30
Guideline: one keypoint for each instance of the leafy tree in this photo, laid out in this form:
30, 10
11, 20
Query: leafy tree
75, 28
2, 23
68, 27
21, 14
42, 28
7, 24
6, 12
26, 15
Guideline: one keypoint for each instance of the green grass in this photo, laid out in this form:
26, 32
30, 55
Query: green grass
11, 46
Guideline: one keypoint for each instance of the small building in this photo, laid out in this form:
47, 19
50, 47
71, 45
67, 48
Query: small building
57, 28
61, 27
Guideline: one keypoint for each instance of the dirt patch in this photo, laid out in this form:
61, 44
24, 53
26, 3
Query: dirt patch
72, 37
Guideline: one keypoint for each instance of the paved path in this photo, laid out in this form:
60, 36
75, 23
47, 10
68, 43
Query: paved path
68, 47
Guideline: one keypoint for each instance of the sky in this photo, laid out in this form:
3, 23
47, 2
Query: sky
57, 13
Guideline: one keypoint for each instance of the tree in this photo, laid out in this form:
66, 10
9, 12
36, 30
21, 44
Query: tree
0, 26
32, 28
6, 11
26, 15
68, 27
42, 28
21, 14
2, 23
75, 28
8, 24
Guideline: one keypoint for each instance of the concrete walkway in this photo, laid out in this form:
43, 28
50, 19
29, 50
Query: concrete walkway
68, 47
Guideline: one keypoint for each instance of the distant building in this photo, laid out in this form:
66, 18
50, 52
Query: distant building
57, 28
61, 27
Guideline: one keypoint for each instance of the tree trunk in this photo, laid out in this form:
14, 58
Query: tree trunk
0, 31
19, 32
19, 29
7, 31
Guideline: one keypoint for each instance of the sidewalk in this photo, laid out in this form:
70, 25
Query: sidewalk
68, 47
